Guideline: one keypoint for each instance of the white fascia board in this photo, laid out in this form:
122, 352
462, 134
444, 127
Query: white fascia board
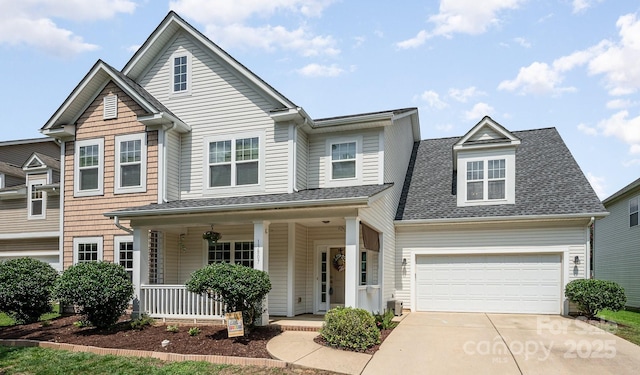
165, 120
31, 253
587, 216
29, 235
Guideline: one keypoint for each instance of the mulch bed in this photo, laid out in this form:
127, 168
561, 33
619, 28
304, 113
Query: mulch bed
383, 335
211, 341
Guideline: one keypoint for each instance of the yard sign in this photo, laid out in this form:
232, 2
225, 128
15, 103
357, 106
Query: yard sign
235, 327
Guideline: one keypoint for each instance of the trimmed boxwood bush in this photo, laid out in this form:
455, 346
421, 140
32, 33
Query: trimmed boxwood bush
592, 296
25, 288
350, 328
101, 290
240, 288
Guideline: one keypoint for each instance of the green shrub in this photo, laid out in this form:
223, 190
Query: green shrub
173, 328
25, 288
194, 331
385, 320
592, 296
101, 290
141, 322
350, 328
240, 288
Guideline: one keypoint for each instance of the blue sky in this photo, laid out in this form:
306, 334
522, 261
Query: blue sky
572, 64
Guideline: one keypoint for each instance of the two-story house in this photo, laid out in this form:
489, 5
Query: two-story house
617, 242
29, 200
185, 143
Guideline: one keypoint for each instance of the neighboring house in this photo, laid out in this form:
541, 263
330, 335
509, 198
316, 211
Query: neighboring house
30, 200
617, 242
185, 140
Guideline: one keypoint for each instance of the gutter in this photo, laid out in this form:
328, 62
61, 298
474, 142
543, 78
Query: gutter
116, 221
499, 219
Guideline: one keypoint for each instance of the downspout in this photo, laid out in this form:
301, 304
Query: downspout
589, 249
116, 221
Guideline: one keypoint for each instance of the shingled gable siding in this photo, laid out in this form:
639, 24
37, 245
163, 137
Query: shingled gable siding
83, 216
219, 103
13, 217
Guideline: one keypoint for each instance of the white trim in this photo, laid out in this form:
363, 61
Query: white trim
291, 163
33, 253
87, 240
28, 235
381, 157
2, 180
629, 213
110, 107
237, 189
76, 171
117, 240
43, 199
117, 189
509, 180
291, 267
189, 58
232, 243
337, 182
63, 147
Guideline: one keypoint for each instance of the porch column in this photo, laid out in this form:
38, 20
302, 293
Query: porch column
140, 267
352, 251
261, 259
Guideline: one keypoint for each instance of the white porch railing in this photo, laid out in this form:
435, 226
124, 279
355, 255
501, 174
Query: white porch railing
175, 301
369, 298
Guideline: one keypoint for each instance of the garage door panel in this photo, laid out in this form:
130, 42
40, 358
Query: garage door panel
526, 283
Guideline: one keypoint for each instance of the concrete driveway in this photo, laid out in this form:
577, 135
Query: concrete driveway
474, 343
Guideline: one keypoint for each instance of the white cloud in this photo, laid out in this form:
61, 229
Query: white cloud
433, 99
244, 24
317, 70
635, 149
359, 41
522, 42
631, 163
619, 104
478, 111
598, 184
133, 48
582, 5
31, 23
462, 17
587, 129
444, 127
538, 78
462, 95
622, 127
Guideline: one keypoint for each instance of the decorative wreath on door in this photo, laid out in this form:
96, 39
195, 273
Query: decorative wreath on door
339, 261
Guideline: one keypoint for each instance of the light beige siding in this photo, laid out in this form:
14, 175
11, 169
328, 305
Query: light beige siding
14, 217
278, 241
303, 274
83, 216
617, 247
302, 159
173, 166
220, 103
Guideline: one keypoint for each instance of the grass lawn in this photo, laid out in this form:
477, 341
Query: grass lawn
6, 320
628, 324
42, 361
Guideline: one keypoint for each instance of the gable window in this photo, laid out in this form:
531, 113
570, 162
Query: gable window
634, 203
221, 253
131, 160
234, 162
89, 163
343, 160
110, 107
37, 200
489, 185
87, 249
124, 253
181, 68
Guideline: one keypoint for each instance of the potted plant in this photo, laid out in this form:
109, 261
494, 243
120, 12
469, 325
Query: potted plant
211, 236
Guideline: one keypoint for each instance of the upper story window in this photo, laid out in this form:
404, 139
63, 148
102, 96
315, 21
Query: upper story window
181, 78
221, 252
89, 165
634, 203
344, 161
233, 161
37, 200
131, 163
87, 249
486, 186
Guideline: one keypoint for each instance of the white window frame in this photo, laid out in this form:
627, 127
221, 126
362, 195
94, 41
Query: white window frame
30, 185
509, 180
336, 182
87, 240
110, 107
232, 250
485, 179
117, 240
142, 137
233, 186
174, 56
76, 169
2, 181
637, 211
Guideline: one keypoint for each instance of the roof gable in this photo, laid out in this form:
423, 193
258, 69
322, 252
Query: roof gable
39, 162
487, 131
164, 34
632, 188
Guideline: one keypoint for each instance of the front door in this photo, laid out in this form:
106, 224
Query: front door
330, 278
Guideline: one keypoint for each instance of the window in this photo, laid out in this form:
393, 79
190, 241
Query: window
131, 163
37, 200
221, 252
87, 249
124, 253
343, 160
363, 268
110, 107
633, 211
181, 80
2, 183
493, 182
89, 163
234, 162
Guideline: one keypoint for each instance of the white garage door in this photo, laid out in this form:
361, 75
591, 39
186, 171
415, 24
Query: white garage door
522, 283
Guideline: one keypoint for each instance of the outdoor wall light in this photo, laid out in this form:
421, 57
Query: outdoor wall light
404, 262
576, 260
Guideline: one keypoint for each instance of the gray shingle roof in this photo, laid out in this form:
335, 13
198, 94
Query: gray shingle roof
632, 186
548, 182
267, 200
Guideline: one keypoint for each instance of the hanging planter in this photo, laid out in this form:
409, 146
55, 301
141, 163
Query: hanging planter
211, 236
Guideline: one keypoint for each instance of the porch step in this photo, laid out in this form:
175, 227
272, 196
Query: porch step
306, 323
295, 328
